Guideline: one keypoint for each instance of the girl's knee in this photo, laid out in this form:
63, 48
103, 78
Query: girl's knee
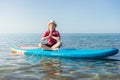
59, 44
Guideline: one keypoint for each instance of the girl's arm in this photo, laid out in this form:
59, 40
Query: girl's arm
56, 38
44, 38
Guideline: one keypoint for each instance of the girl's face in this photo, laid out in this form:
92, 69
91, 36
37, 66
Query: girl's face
51, 27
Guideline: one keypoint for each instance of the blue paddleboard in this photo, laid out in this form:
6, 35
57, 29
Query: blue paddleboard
69, 53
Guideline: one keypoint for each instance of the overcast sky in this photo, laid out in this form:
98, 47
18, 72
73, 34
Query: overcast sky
72, 16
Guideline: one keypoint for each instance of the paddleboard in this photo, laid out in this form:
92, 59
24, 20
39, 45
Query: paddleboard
69, 53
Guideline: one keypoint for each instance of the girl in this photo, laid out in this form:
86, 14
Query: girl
52, 36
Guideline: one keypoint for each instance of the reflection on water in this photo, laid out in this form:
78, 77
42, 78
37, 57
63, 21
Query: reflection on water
46, 68
52, 68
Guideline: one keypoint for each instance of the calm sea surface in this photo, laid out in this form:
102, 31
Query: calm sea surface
16, 67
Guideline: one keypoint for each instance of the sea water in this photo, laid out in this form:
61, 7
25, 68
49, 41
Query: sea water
19, 67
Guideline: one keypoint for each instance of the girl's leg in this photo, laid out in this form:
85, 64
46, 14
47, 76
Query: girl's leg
44, 47
56, 46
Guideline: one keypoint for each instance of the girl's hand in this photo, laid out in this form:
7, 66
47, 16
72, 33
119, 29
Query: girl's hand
50, 29
50, 35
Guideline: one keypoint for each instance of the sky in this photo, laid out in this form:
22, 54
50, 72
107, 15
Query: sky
71, 16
